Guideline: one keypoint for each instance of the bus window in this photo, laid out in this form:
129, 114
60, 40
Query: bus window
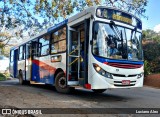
21, 52
35, 48
44, 41
58, 41
28, 50
62, 45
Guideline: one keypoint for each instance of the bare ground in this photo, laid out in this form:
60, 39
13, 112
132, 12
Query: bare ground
152, 80
17, 96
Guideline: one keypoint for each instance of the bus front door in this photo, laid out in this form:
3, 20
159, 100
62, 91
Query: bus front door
77, 54
74, 58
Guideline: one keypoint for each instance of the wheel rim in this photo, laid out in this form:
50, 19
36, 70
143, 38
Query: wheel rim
62, 82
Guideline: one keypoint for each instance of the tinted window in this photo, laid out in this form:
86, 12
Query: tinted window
44, 45
58, 41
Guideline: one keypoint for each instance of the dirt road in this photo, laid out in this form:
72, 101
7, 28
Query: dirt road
32, 96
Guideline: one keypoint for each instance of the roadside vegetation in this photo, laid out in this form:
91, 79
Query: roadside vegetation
2, 77
151, 49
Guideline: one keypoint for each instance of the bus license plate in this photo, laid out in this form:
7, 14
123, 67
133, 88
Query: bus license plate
126, 82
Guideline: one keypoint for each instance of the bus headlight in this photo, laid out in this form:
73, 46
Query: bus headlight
102, 71
140, 75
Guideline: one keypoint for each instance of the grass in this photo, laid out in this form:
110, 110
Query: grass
2, 77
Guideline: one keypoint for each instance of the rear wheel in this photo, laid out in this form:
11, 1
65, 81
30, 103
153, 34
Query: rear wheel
60, 83
20, 77
98, 90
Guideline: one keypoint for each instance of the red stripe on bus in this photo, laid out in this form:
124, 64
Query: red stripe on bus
45, 66
120, 65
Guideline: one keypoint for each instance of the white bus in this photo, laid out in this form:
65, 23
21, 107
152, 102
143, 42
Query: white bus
97, 49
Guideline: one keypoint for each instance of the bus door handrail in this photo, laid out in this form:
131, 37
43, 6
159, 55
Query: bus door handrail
73, 50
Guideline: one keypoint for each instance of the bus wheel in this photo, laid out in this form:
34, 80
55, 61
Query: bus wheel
21, 81
98, 90
60, 83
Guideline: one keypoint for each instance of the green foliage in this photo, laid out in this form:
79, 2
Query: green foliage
2, 77
7, 74
151, 35
151, 48
147, 69
6, 51
152, 55
151, 51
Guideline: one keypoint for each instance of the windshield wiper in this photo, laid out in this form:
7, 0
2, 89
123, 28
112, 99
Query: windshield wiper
117, 32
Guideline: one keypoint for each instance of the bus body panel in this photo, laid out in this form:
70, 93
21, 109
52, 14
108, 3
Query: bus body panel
28, 69
98, 81
43, 69
35, 76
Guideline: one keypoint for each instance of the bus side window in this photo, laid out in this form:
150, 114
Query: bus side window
34, 49
58, 42
28, 50
21, 53
44, 45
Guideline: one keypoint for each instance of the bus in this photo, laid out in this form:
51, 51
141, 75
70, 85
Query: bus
99, 48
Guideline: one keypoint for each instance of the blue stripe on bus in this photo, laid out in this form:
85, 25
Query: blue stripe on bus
58, 25
103, 60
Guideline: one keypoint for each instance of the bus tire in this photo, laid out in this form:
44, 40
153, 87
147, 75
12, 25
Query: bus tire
21, 81
60, 83
98, 90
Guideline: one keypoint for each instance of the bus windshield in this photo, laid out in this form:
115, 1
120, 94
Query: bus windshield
116, 42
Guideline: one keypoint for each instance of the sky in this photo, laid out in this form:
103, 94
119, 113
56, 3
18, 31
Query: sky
153, 13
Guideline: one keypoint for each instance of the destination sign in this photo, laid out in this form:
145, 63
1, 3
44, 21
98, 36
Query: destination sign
122, 18
117, 15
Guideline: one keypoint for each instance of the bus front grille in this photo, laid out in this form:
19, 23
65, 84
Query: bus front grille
124, 65
120, 85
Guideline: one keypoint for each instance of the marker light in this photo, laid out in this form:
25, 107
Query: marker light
102, 71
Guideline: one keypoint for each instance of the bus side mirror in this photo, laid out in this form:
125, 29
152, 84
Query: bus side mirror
91, 42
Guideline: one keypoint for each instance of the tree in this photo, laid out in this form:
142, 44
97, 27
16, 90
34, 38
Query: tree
151, 47
151, 35
64, 8
18, 17
152, 56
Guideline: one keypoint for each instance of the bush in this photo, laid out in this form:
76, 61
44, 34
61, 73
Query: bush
152, 57
2, 77
147, 69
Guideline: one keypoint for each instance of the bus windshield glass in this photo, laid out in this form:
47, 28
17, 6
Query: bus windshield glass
116, 42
